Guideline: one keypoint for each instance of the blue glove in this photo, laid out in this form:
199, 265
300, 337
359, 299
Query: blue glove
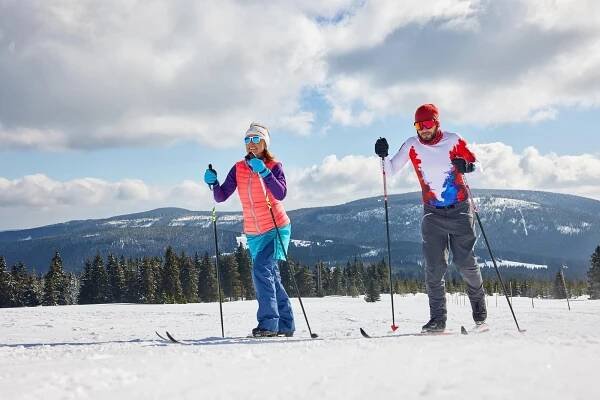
259, 167
210, 177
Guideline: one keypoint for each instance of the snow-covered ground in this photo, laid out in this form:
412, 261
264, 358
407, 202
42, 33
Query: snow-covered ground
111, 352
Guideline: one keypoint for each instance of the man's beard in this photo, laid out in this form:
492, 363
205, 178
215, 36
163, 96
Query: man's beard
429, 138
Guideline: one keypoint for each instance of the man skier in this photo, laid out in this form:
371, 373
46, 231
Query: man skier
440, 159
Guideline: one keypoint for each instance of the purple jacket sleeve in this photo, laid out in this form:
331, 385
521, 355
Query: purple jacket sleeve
222, 192
275, 181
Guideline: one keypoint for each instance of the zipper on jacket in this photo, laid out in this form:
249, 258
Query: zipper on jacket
252, 202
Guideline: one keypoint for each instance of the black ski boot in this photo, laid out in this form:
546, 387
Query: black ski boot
479, 311
285, 334
434, 325
259, 332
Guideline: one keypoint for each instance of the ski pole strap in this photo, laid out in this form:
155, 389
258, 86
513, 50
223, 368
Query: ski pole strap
470, 194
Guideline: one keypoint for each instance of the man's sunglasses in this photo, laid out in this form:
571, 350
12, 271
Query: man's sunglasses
425, 124
254, 139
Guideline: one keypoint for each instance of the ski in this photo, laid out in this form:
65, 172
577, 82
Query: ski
172, 339
268, 337
463, 331
478, 328
169, 338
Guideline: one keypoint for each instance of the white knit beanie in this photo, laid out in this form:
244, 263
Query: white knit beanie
259, 130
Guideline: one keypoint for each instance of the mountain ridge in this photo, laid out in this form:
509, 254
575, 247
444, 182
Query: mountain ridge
523, 226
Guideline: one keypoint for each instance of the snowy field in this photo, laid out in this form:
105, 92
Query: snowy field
111, 352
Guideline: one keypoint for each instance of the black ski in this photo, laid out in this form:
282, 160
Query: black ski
172, 339
169, 338
234, 339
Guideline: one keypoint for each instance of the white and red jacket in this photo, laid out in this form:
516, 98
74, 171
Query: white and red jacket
441, 183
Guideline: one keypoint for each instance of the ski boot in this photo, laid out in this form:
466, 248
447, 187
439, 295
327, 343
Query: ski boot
435, 325
259, 332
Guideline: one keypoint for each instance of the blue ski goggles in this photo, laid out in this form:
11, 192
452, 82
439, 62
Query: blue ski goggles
253, 139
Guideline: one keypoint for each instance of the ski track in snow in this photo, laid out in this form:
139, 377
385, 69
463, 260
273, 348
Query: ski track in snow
111, 352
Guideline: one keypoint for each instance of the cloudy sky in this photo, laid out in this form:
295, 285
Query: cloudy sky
117, 106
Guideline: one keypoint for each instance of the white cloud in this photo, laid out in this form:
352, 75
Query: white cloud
337, 180
503, 168
510, 61
122, 73
115, 73
38, 199
371, 24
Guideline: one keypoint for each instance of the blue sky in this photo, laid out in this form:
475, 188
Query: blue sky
100, 115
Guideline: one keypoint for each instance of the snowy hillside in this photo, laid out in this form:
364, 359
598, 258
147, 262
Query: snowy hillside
526, 227
111, 352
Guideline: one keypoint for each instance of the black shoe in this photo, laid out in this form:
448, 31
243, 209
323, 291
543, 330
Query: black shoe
434, 325
259, 332
479, 311
285, 334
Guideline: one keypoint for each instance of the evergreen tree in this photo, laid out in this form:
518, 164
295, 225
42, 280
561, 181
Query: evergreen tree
72, 288
336, 287
352, 289
373, 281
171, 283
148, 277
558, 289
285, 272
381, 274
85, 284
6, 285
207, 281
99, 281
594, 275
321, 278
20, 279
55, 283
232, 285
488, 287
131, 280
189, 279
245, 271
116, 280
305, 281
34, 290
326, 280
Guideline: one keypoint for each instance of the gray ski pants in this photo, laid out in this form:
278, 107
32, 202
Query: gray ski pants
443, 229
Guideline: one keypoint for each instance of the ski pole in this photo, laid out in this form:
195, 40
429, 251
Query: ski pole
214, 220
565, 286
476, 212
387, 230
292, 271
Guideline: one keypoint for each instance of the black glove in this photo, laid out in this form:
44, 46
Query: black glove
381, 147
463, 166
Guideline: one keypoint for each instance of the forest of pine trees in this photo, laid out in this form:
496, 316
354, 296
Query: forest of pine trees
180, 278
594, 275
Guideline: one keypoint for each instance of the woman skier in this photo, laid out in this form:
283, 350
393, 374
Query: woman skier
257, 177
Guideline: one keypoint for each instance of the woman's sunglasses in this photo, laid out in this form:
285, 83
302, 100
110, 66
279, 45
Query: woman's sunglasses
253, 139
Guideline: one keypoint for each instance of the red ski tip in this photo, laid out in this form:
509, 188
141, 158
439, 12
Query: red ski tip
394, 327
